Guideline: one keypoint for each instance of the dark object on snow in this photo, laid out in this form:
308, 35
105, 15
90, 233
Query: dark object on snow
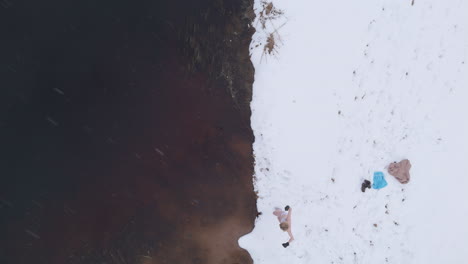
400, 170
365, 184
285, 245
286, 208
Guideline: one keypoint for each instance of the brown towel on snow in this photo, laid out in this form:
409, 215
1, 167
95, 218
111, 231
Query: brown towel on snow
400, 170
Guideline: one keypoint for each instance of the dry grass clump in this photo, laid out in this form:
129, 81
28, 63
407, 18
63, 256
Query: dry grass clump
269, 12
270, 44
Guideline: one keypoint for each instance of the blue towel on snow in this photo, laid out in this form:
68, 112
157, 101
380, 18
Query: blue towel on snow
379, 180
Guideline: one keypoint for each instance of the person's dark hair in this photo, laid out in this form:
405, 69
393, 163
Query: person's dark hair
286, 208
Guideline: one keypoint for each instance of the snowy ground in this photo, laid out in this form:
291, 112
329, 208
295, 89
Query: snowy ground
355, 85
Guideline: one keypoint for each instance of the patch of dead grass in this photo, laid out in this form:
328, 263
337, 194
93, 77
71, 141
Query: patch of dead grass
270, 44
269, 12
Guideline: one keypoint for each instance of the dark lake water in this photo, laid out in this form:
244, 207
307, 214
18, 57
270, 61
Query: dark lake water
125, 131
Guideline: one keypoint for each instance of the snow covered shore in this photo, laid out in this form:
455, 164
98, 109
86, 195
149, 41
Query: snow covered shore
353, 86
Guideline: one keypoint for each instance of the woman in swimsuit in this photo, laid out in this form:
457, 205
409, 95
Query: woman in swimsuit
284, 217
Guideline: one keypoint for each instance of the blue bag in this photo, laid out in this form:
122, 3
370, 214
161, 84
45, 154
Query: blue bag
379, 180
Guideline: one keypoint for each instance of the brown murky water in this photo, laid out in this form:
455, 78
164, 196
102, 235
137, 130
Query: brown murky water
125, 132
